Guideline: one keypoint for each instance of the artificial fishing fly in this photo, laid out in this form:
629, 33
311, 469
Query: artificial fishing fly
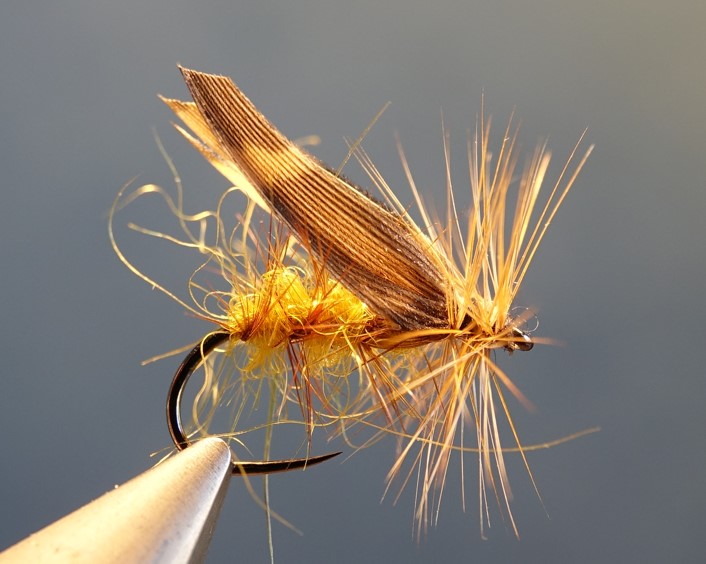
345, 285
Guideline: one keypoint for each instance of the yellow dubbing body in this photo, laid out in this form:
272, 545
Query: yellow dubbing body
289, 306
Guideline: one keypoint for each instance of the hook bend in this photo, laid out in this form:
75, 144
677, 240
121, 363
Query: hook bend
192, 361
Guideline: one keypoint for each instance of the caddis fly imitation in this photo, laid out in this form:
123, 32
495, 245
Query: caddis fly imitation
351, 311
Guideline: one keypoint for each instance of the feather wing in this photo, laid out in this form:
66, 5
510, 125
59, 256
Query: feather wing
378, 255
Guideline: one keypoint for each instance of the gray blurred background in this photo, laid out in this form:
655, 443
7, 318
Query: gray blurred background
619, 279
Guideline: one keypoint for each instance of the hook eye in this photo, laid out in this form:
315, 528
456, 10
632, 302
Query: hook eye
521, 341
190, 363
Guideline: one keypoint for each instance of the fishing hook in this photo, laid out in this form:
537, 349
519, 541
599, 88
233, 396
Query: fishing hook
192, 361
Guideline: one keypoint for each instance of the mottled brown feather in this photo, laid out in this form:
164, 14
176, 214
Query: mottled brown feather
378, 255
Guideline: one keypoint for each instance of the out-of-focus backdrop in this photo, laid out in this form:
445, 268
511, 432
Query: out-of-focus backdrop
619, 280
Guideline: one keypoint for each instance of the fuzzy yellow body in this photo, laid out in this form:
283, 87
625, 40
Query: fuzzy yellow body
287, 307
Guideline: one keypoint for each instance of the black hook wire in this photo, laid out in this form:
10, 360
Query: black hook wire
192, 361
